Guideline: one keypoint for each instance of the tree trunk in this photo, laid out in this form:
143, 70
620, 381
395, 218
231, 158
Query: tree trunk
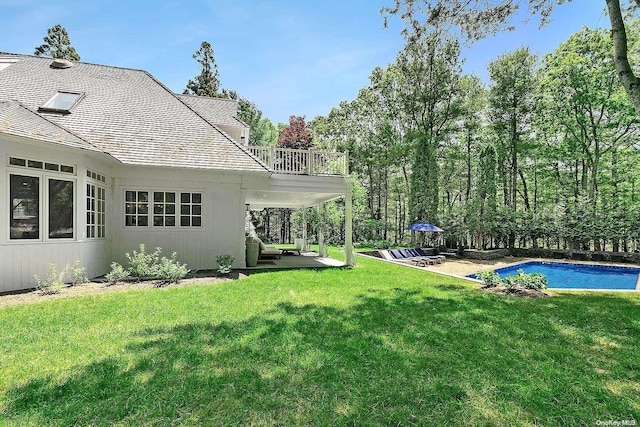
620, 59
468, 193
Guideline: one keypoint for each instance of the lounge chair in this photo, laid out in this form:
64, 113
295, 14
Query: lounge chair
439, 258
404, 255
422, 256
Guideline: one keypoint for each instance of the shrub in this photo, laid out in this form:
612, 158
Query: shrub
169, 270
381, 244
523, 280
117, 273
52, 283
143, 265
490, 278
225, 261
77, 274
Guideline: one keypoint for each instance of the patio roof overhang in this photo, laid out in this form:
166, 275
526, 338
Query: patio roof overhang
294, 191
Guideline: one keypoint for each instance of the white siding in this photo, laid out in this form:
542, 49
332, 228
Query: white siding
21, 260
222, 228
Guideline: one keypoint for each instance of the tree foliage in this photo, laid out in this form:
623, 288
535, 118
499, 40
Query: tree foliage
476, 19
545, 156
263, 132
207, 83
296, 134
57, 45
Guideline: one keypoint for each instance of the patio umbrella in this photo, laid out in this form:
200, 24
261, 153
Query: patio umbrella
423, 226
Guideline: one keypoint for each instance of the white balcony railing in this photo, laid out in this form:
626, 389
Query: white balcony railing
302, 162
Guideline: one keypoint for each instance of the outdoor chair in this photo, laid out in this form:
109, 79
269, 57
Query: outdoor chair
403, 255
268, 251
439, 258
422, 256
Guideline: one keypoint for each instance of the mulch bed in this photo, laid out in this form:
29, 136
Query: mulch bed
516, 292
100, 286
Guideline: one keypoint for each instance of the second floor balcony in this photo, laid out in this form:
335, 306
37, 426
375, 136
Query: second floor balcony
303, 162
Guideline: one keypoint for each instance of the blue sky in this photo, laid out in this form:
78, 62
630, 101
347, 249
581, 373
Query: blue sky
289, 57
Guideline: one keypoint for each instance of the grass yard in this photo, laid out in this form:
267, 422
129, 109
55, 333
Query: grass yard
379, 344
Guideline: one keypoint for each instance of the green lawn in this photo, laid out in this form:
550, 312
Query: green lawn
378, 344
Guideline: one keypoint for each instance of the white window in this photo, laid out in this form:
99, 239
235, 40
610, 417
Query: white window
38, 164
160, 209
61, 209
62, 102
96, 205
6, 62
24, 196
28, 203
136, 212
190, 209
164, 209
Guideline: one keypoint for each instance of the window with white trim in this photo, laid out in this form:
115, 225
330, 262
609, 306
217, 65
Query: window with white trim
38, 164
161, 209
96, 206
61, 209
24, 196
164, 209
190, 209
62, 102
28, 202
136, 208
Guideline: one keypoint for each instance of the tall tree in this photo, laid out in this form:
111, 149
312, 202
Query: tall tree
583, 102
430, 98
207, 83
296, 134
511, 98
57, 45
479, 18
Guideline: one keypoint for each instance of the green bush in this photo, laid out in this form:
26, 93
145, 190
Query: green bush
77, 274
143, 265
490, 278
225, 261
52, 283
381, 244
521, 280
169, 270
524, 280
117, 273
147, 266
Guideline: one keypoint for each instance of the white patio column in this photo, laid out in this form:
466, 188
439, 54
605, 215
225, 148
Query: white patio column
322, 248
348, 227
304, 230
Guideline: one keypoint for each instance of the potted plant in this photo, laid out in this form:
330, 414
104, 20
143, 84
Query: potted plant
224, 263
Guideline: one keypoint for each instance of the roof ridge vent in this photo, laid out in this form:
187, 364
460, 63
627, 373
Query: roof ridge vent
61, 63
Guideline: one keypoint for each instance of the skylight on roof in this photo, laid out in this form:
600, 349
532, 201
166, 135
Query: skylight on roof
62, 102
5, 62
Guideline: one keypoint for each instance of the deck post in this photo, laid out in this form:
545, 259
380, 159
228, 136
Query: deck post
322, 249
304, 229
348, 226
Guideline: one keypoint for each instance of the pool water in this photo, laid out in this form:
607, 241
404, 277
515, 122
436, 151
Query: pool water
578, 276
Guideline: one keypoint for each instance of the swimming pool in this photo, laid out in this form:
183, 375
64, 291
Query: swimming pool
563, 275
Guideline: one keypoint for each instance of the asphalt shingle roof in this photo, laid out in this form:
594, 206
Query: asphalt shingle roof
126, 113
17, 120
218, 111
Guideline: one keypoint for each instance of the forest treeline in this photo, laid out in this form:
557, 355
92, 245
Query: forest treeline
546, 154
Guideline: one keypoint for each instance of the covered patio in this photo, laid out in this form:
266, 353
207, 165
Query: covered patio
303, 192
306, 259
